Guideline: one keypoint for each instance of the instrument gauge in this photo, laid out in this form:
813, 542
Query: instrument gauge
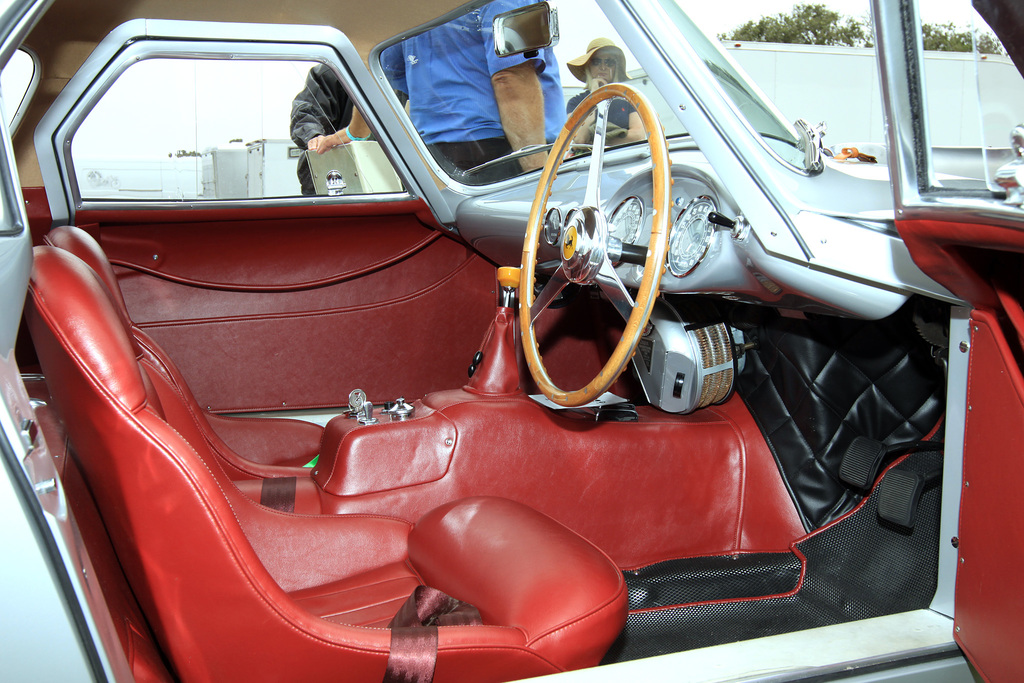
553, 227
691, 236
627, 219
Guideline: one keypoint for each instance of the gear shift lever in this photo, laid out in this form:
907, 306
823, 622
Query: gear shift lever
495, 370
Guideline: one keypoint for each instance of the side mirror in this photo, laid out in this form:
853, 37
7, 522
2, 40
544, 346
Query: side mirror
526, 29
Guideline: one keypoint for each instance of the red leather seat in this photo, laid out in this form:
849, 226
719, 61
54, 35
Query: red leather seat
248, 447
235, 590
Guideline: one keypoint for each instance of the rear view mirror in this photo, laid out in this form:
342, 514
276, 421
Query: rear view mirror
526, 29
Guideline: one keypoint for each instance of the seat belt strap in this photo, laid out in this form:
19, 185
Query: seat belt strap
279, 494
413, 651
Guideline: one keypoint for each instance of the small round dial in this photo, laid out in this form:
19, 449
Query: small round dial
691, 236
627, 219
553, 226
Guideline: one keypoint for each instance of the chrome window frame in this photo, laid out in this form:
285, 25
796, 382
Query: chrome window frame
904, 98
26, 97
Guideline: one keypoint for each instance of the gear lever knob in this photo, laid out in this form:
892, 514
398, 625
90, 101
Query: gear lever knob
508, 278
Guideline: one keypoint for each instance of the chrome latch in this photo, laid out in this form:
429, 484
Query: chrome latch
365, 414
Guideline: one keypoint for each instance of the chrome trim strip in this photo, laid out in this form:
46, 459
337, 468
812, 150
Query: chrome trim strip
30, 91
953, 458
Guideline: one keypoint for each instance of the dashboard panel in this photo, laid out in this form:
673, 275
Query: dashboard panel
713, 249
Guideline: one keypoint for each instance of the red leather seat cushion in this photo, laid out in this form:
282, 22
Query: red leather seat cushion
368, 599
508, 561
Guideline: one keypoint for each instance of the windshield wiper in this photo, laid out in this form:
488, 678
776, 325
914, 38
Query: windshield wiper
534, 149
520, 153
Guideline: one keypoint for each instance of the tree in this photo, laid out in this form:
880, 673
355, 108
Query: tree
948, 38
816, 24
806, 24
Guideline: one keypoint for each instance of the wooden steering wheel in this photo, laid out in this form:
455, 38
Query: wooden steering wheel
587, 252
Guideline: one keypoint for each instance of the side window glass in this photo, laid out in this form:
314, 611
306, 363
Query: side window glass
18, 81
975, 97
206, 129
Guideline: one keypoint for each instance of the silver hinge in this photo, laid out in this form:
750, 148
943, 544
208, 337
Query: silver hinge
1010, 176
29, 432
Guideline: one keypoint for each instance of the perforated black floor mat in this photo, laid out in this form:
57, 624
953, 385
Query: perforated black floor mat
857, 568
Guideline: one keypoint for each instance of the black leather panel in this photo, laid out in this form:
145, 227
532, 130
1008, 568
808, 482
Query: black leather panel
715, 578
814, 385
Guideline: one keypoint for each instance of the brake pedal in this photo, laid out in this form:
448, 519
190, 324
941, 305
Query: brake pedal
898, 496
861, 462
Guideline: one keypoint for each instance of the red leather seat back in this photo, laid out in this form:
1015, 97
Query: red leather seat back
269, 448
82, 245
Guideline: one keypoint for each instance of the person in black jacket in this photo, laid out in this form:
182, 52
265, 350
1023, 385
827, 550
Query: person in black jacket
321, 114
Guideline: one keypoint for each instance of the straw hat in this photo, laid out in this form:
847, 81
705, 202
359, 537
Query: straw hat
578, 66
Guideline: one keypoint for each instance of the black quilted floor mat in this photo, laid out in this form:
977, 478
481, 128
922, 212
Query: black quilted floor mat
814, 385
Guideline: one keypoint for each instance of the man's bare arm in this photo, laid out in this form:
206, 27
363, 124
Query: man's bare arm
521, 108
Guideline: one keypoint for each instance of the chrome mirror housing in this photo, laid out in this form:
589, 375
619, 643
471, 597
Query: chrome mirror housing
526, 29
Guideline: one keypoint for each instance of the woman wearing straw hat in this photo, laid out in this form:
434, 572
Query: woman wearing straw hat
605, 63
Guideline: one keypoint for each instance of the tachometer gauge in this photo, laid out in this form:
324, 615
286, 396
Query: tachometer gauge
627, 219
691, 236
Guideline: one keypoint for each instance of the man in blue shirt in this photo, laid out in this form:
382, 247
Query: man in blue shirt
468, 104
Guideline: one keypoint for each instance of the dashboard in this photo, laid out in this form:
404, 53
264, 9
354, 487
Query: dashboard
713, 248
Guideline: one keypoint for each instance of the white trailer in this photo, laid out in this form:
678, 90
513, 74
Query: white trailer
839, 85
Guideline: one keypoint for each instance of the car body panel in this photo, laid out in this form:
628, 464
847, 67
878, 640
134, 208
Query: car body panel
987, 616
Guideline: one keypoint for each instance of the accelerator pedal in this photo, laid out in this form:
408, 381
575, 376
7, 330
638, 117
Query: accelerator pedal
898, 496
899, 493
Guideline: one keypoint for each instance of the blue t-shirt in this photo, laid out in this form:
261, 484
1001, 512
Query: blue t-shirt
446, 72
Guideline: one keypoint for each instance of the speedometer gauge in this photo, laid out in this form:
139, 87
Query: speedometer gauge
627, 220
691, 236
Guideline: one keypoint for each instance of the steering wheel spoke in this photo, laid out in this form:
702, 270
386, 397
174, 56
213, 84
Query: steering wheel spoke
593, 194
610, 283
585, 245
548, 293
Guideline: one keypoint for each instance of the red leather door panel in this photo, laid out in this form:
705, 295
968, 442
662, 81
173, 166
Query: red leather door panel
989, 599
982, 264
288, 313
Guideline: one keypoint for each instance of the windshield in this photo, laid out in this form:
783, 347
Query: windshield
471, 107
748, 99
